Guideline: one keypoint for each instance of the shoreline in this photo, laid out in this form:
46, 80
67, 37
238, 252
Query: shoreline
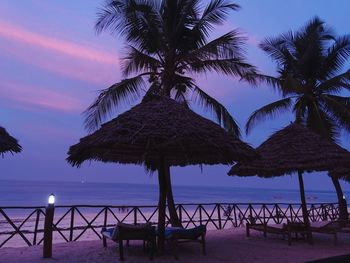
230, 245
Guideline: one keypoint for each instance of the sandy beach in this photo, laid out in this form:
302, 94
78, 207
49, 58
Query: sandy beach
229, 245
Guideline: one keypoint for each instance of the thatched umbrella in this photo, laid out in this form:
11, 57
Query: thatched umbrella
341, 172
159, 132
294, 149
8, 143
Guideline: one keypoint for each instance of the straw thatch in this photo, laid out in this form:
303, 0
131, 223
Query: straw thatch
294, 148
341, 173
160, 127
8, 143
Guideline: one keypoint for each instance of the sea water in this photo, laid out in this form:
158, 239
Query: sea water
35, 193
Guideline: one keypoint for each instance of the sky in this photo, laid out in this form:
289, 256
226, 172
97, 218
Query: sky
52, 64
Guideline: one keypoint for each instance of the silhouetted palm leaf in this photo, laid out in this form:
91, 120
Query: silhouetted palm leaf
167, 41
110, 98
338, 108
221, 113
308, 65
268, 111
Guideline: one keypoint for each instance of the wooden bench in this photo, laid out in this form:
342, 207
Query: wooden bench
284, 229
331, 228
144, 232
178, 235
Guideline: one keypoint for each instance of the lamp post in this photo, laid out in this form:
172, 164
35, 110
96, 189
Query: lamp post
49, 214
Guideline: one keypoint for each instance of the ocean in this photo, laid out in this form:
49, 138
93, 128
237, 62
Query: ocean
35, 193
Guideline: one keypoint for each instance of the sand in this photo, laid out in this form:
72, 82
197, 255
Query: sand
229, 245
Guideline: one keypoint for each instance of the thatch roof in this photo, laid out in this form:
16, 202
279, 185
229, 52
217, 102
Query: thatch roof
160, 127
341, 173
291, 149
8, 143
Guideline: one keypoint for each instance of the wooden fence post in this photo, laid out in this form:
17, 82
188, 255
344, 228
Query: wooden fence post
135, 215
71, 227
264, 213
50, 211
105, 217
36, 226
219, 215
235, 215
180, 213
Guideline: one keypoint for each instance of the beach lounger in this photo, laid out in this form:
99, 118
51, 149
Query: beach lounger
285, 229
144, 232
327, 227
177, 235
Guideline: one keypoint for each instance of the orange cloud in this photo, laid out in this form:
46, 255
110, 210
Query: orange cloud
61, 46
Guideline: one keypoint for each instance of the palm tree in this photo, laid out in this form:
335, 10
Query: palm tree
167, 43
310, 80
8, 143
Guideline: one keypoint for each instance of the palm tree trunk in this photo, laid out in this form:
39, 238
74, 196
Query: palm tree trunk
161, 204
303, 203
343, 207
303, 199
174, 219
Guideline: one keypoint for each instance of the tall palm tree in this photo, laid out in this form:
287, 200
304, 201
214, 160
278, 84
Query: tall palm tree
311, 81
167, 42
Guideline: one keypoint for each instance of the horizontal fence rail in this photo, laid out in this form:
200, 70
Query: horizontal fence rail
21, 226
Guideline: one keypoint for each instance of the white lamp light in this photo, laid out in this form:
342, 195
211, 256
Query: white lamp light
51, 199
344, 197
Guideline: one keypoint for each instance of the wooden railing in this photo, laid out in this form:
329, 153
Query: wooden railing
24, 225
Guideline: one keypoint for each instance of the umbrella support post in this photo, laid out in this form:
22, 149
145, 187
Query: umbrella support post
343, 207
303, 204
161, 205
174, 219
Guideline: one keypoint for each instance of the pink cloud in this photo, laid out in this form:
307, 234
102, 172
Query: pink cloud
59, 57
92, 73
36, 97
56, 45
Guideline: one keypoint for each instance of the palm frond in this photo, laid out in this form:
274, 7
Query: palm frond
138, 61
181, 97
335, 84
319, 121
258, 78
138, 21
300, 110
335, 57
316, 28
228, 45
235, 66
338, 108
223, 117
110, 16
277, 49
268, 111
109, 99
181, 87
215, 13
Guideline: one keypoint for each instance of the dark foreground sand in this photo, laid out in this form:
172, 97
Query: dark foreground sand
229, 245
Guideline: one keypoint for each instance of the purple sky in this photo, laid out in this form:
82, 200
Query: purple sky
52, 63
